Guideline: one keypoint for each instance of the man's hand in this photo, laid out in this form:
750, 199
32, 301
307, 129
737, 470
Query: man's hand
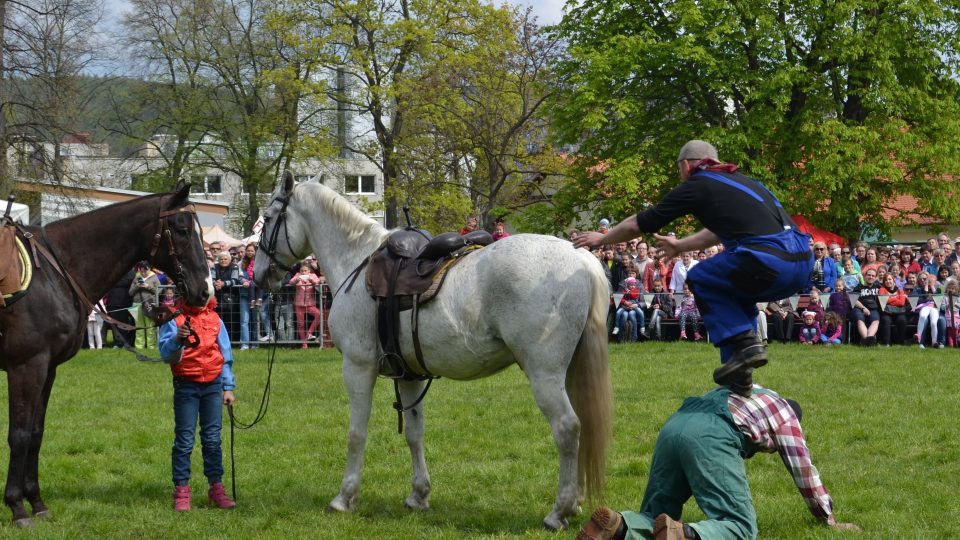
228, 397
832, 523
588, 239
669, 245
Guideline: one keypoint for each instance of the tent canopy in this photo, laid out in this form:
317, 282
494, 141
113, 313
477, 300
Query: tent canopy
216, 233
819, 235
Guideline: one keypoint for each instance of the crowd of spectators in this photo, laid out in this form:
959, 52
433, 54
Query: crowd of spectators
864, 294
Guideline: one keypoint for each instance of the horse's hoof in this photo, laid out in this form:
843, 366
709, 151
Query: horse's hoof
554, 524
416, 503
43, 514
23, 523
337, 505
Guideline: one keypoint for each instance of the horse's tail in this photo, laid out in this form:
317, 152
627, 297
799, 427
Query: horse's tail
590, 389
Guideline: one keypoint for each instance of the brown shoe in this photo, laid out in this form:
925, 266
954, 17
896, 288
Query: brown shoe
603, 525
667, 528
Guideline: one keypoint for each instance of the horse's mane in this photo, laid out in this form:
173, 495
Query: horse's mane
350, 220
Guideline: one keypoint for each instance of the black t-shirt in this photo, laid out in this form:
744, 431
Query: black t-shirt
731, 205
868, 295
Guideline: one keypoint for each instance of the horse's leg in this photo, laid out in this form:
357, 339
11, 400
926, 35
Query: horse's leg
551, 396
359, 378
25, 384
32, 480
410, 391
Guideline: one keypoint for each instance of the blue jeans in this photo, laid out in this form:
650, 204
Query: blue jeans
635, 316
193, 401
244, 318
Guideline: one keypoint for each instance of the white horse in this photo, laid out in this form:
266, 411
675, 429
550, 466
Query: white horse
489, 314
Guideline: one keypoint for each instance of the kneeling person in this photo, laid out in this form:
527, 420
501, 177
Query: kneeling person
700, 453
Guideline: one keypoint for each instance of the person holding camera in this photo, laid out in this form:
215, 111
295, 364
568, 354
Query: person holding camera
197, 347
143, 290
227, 282
305, 302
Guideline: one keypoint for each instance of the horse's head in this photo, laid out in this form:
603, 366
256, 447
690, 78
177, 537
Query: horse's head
278, 251
179, 249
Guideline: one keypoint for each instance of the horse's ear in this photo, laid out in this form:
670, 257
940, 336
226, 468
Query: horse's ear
181, 194
287, 182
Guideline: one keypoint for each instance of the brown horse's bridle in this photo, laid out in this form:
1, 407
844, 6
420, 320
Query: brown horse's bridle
163, 231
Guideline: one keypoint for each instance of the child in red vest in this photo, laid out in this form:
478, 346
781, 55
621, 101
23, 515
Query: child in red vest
197, 347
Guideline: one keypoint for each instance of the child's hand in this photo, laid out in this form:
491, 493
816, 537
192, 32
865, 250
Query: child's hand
228, 397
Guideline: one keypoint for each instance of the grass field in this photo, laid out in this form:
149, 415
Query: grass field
881, 423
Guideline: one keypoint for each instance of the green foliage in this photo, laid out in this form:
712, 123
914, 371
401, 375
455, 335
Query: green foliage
105, 462
838, 108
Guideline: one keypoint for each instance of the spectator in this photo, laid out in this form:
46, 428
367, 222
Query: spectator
897, 273
932, 243
305, 302
907, 262
872, 262
927, 263
845, 254
912, 281
839, 301
894, 314
955, 269
861, 254
944, 242
118, 303
954, 256
943, 274
950, 313
688, 313
824, 273
471, 225
867, 309
622, 267
810, 329
95, 329
927, 312
499, 232
662, 305
630, 310
832, 329
227, 281
781, 320
656, 270
679, 275
762, 324
814, 305
642, 260
836, 253
248, 298
851, 277
604, 227
143, 291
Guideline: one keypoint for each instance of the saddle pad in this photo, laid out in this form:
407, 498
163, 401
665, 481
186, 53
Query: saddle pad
16, 272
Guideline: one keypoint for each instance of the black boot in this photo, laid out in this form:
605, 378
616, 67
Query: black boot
749, 353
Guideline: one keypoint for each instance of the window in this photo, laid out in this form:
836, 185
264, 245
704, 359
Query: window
360, 184
209, 185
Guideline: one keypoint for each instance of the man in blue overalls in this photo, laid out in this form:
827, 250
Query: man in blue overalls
765, 256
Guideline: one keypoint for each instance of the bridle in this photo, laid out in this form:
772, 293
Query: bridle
270, 247
163, 231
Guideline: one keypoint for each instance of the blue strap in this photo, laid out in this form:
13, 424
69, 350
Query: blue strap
737, 185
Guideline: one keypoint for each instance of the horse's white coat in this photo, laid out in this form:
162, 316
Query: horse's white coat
525, 299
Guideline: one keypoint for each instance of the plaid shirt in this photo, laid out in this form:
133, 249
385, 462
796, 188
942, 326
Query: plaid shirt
768, 421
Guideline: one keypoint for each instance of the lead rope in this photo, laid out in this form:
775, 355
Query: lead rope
261, 413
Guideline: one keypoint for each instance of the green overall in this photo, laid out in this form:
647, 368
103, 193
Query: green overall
699, 452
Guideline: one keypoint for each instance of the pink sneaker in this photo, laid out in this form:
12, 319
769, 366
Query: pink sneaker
218, 497
697, 336
181, 498
683, 334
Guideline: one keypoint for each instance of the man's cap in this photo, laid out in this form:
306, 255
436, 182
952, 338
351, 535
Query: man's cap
697, 150
956, 240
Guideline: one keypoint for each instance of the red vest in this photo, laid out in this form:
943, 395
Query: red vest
204, 362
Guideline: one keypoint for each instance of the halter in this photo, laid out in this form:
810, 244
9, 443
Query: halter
270, 248
163, 231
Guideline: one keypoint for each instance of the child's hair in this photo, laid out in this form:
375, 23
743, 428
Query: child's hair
832, 319
952, 286
838, 284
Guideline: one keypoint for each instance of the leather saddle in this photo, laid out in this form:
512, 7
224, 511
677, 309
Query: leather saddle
404, 273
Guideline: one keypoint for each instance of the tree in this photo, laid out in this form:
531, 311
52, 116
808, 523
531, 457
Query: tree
839, 108
477, 132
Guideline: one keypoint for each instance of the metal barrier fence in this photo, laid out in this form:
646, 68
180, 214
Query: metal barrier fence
279, 317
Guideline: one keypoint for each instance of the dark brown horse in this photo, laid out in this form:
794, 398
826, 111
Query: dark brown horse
44, 328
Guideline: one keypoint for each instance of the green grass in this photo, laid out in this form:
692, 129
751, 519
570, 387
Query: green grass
881, 424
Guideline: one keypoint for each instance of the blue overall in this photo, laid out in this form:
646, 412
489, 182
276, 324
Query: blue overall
749, 270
